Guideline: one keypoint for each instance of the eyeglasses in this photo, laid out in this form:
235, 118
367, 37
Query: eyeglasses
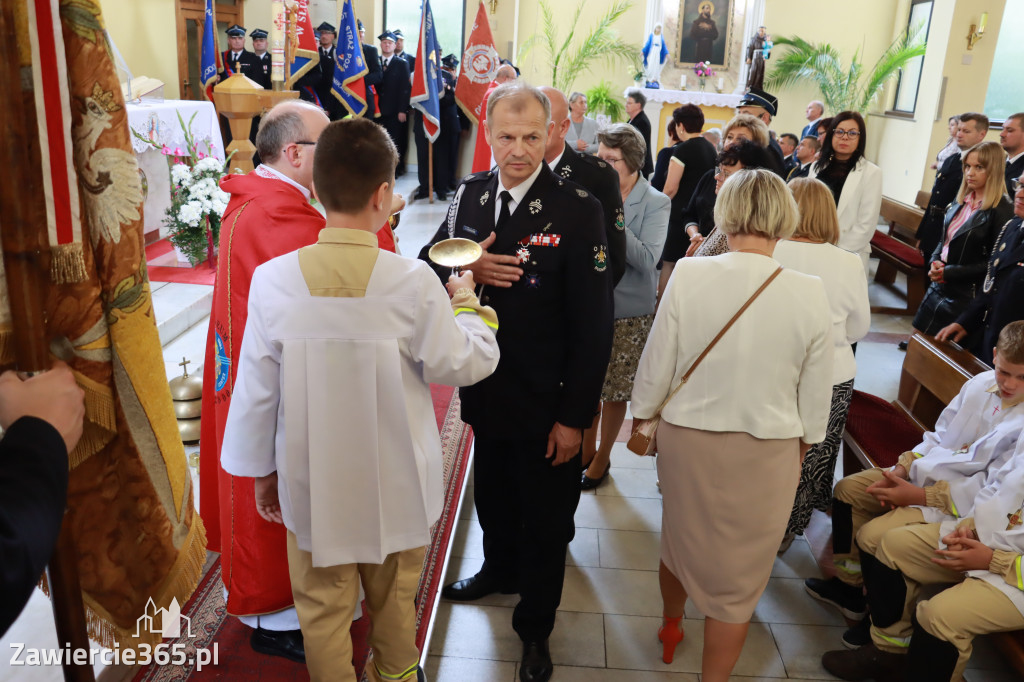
851, 134
610, 160
1017, 184
304, 142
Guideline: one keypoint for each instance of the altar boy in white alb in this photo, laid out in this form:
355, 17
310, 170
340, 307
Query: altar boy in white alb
331, 411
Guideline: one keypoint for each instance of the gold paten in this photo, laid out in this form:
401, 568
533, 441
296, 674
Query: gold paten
455, 252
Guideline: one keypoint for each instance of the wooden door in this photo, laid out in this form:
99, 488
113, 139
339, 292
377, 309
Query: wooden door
191, 15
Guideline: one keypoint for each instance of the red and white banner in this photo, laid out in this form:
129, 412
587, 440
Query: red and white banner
480, 62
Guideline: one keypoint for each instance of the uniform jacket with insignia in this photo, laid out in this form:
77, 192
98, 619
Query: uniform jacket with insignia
601, 180
556, 321
261, 73
248, 63
1004, 302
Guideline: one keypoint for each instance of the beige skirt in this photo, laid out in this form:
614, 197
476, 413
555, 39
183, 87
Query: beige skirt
726, 502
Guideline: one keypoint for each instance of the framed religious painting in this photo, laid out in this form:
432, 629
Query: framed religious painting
704, 32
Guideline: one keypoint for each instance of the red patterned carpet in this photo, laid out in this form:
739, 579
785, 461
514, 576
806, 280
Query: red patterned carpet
237, 661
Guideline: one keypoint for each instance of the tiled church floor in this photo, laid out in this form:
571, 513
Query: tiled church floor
611, 606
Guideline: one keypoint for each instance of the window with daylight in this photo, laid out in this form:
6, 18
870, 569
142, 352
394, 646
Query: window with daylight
449, 20
910, 75
1001, 101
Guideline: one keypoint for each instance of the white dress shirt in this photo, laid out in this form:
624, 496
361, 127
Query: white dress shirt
517, 192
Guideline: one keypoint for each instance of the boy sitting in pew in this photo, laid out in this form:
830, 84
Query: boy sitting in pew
974, 437
979, 555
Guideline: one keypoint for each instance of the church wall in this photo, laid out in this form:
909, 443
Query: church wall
144, 32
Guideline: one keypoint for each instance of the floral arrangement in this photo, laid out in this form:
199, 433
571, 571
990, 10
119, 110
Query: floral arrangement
703, 70
197, 201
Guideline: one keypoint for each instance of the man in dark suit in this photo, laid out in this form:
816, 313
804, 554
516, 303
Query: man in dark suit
393, 97
805, 153
593, 175
451, 128
1001, 300
400, 50
443, 153
236, 57
815, 110
1012, 139
635, 101
328, 56
42, 421
764, 106
545, 271
372, 79
970, 131
261, 74
787, 144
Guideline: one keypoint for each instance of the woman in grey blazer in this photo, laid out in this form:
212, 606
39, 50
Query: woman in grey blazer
582, 135
646, 217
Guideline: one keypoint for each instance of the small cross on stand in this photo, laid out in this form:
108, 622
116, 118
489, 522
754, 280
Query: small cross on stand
183, 364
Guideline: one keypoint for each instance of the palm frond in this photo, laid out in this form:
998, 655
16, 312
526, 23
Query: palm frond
841, 86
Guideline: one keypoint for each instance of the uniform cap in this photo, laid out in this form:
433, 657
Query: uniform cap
235, 30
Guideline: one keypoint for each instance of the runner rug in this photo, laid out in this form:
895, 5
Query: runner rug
212, 629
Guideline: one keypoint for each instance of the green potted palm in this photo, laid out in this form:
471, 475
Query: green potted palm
843, 88
602, 99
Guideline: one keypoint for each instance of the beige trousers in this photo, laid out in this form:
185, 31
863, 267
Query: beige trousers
325, 599
956, 615
863, 508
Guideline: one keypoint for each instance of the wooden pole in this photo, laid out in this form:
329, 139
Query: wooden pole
430, 169
23, 233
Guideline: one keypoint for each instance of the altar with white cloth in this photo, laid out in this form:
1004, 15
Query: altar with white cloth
718, 108
157, 120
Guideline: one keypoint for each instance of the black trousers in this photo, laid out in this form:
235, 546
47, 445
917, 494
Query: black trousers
398, 132
526, 509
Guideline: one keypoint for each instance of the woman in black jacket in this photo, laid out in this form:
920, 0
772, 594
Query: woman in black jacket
969, 230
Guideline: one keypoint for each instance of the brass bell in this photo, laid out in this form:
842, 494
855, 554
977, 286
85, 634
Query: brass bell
187, 392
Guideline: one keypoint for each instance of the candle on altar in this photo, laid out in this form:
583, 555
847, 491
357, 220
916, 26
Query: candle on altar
721, 84
682, 82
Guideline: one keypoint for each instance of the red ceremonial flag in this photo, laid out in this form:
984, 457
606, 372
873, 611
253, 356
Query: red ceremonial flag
480, 62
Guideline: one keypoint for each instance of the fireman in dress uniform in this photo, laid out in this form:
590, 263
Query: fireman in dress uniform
236, 57
546, 272
260, 74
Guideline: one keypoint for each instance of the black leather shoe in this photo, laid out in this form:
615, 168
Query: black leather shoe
588, 483
902, 345
420, 195
473, 588
285, 643
536, 665
441, 196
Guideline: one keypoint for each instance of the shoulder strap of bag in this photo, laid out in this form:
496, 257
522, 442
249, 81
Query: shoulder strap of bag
715, 340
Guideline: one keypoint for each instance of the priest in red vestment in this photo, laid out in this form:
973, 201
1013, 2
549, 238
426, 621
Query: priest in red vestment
269, 214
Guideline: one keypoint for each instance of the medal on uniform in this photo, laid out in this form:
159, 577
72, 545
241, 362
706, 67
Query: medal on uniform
523, 254
533, 280
1016, 518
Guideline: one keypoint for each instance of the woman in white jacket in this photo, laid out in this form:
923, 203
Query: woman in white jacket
812, 251
856, 183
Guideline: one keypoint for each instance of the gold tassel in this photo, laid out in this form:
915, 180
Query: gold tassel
68, 263
99, 403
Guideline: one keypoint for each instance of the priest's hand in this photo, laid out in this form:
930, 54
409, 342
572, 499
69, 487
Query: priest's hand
563, 443
267, 504
495, 270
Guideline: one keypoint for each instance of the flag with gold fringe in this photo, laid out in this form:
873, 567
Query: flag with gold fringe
130, 498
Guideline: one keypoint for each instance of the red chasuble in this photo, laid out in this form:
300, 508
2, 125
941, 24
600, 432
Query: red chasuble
265, 218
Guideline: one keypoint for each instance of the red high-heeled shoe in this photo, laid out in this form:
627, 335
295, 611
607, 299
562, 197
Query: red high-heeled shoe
670, 634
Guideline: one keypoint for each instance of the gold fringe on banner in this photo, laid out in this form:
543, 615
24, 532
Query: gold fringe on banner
181, 582
100, 420
68, 263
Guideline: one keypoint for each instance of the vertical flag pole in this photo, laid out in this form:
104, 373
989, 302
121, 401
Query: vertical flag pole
24, 247
430, 172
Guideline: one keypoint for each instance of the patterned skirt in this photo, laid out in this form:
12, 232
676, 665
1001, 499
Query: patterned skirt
627, 344
819, 467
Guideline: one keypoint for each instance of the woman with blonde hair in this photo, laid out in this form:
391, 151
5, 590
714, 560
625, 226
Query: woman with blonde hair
971, 226
732, 434
812, 251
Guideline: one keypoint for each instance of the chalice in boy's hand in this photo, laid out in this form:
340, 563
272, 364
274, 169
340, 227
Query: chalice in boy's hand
455, 253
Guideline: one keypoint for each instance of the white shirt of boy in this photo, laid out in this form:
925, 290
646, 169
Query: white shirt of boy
333, 393
998, 517
979, 434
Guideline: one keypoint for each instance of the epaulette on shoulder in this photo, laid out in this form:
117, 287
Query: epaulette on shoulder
476, 177
572, 189
594, 161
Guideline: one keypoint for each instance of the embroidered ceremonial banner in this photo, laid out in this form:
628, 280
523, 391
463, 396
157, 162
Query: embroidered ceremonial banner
306, 55
480, 62
130, 508
208, 53
349, 68
427, 81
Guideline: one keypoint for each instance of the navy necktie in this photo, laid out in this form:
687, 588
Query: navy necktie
503, 213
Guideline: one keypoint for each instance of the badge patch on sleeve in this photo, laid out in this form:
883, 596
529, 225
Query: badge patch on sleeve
600, 258
620, 222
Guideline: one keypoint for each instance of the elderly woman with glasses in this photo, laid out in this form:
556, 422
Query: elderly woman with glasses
731, 439
856, 183
646, 216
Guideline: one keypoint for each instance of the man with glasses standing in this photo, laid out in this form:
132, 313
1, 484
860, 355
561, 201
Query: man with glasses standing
269, 214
